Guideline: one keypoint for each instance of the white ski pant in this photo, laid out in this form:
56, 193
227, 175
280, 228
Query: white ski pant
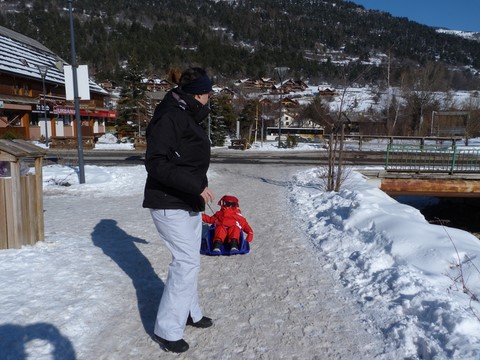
182, 232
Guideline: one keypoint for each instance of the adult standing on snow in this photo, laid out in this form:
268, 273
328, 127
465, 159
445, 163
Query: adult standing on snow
176, 191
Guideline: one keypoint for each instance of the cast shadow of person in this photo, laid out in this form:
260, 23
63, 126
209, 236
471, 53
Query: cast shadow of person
14, 338
121, 248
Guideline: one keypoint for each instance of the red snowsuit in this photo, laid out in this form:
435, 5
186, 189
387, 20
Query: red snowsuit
229, 223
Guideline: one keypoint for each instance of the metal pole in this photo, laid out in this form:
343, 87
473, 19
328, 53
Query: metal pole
43, 73
280, 116
78, 121
261, 132
431, 123
256, 122
209, 124
280, 72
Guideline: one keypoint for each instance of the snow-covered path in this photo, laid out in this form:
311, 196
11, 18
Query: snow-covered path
274, 303
286, 307
347, 275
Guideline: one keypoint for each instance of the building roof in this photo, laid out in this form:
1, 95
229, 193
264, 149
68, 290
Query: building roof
21, 56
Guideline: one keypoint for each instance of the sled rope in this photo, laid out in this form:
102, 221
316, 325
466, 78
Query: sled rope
213, 212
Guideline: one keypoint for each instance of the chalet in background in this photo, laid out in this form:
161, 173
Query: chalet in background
25, 66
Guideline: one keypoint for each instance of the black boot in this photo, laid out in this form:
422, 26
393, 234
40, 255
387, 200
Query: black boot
204, 322
217, 246
234, 245
177, 346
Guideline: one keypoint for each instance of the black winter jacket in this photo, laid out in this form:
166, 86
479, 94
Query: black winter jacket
178, 154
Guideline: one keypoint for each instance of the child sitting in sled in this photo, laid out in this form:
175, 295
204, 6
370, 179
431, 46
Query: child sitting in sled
229, 224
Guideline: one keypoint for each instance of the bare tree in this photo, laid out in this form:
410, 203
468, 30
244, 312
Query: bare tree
420, 95
337, 135
472, 104
393, 108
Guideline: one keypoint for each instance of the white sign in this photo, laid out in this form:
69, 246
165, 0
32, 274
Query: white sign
82, 82
39, 108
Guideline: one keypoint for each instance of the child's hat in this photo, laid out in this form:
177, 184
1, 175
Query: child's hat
228, 200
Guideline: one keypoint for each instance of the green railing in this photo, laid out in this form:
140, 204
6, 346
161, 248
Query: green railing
432, 158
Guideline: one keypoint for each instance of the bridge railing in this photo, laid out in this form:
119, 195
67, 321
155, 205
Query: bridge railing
378, 142
432, 158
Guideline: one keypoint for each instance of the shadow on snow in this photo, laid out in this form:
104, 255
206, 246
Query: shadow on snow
121, 248
13, 339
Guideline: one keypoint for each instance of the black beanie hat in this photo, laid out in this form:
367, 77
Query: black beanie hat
202, 85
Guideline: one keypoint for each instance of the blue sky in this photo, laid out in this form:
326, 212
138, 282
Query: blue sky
450, 14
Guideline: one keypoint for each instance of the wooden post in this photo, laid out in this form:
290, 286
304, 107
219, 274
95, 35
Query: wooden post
16, 207
40, 226
3, 215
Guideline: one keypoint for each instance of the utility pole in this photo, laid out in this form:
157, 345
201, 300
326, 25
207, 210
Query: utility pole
43, 70
281, 71
78, 120
256, 121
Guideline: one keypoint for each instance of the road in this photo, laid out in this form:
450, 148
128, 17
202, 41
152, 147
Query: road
252, 157
295, 157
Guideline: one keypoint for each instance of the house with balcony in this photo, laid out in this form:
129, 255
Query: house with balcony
33, 102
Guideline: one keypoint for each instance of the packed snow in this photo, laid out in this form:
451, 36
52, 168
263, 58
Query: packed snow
331, 275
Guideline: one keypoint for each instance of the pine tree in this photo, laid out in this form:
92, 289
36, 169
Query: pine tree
131, 108
247, 119
218, 126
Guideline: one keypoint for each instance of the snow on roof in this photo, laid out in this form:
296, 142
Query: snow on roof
21, 56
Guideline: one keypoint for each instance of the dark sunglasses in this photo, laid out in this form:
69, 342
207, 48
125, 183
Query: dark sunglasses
230, 204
